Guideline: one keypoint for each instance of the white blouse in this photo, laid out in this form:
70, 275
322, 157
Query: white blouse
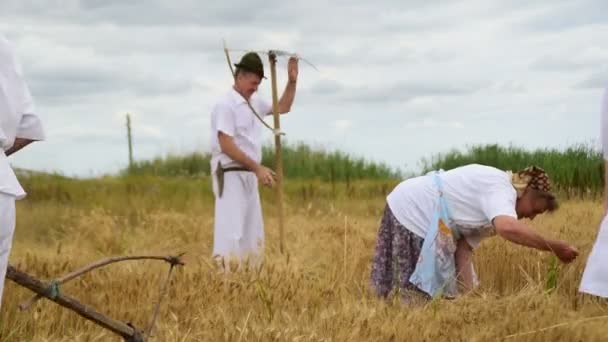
17, 114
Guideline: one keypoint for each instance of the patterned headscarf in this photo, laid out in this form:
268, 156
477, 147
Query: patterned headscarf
533, 177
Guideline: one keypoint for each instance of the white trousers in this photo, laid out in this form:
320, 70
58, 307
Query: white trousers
595, 277
7, 228
238, 226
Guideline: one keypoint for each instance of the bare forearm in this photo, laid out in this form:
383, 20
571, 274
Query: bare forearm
17, 145
514, 231
521, 234
288, 97
231, 150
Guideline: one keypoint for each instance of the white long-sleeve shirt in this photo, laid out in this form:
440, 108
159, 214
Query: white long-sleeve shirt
17, 115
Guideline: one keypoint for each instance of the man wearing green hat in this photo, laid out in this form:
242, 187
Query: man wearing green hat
236, 148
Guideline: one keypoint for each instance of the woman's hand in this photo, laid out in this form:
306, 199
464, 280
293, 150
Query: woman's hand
564, 251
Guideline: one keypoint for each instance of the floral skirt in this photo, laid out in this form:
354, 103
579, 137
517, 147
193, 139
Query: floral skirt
395, 259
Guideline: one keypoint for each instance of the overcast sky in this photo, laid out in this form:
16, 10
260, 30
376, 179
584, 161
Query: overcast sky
398, 80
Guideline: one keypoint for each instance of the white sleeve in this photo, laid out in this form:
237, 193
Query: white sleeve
224, 120
30, 126
604, 125
263, 107
499, 201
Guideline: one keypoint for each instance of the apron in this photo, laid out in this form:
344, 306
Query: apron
435, 271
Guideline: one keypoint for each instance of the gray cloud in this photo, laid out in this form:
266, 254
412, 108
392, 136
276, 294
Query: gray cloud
564, 15
271, 14
151, 12
395, 92
326, 88
63, 83
81, 133
551, 63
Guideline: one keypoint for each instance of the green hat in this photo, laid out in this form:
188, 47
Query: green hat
252, 62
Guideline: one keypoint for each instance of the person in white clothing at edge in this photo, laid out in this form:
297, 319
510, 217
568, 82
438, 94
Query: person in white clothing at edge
19, 126
236, 148
595, 276
483, 201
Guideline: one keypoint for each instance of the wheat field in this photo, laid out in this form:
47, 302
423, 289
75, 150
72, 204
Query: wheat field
318, 292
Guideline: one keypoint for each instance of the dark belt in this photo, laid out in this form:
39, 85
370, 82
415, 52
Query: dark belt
219, 173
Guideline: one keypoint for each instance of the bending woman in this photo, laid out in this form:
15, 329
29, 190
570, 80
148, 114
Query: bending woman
481, 201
